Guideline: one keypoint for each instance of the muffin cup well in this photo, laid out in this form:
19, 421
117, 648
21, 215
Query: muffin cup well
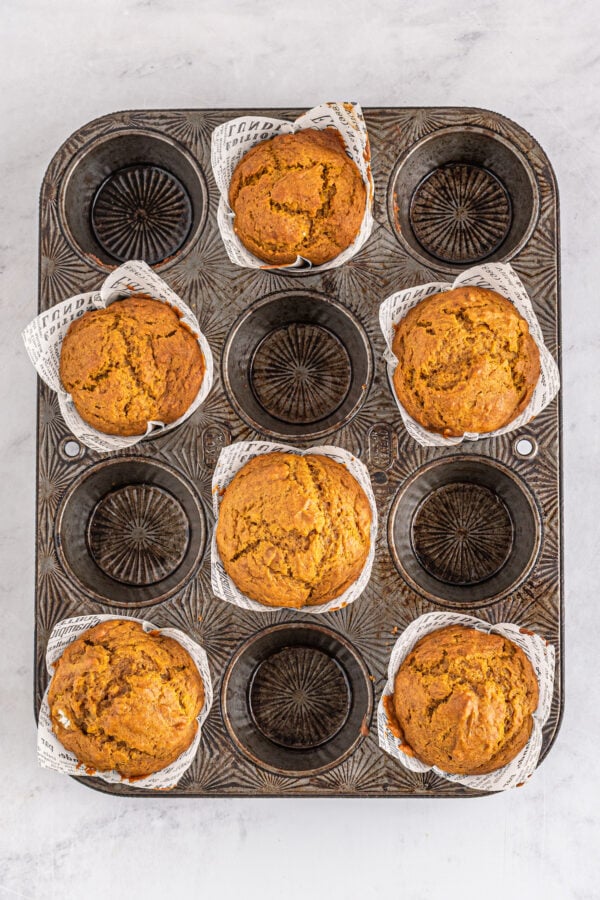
233, 139
231, 460
297, 699
44, 336
503, 279
541, 655
52, 754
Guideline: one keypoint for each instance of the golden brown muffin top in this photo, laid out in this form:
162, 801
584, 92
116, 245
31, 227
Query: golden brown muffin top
293, 530
298, 195
464, 699
466, 362
129, 364
126, 700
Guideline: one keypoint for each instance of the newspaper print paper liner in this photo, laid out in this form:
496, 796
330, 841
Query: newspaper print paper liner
44, 336
52, 754
541, 656
233, 139
230, 461
503, 279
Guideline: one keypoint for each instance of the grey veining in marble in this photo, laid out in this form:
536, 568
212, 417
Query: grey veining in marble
67, 62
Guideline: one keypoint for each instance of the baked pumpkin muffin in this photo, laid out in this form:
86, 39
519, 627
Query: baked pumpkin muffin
466, 362
297, 195
464, 699
129, 364
293, 530
125, 700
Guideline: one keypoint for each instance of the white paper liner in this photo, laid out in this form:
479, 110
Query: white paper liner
230, 461
541, 656
44, 336
503, 279
233, 139
52, 754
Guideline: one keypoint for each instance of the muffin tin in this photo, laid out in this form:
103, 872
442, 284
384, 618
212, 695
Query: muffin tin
476, 528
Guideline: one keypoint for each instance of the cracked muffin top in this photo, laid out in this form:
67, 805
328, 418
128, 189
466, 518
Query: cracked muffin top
466, 362
129, 364
297, 195
464, 699
293, 530
126, 700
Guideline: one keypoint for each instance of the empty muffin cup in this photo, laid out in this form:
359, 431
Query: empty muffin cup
297, 365
464, 531
296, 699
131, 532
463, 195
133, 195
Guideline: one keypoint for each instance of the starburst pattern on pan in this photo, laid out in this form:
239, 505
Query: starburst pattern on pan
462, 533
397, 605
299, 697
204, 777
398, 780
206, 270
551, 725
410, 125
542, 480
537, 265
360, 774
354, 434
51, 422
542, 428
254, 284
364, 272
49, 196
213, 623
187, 454
360, 622
55, 594
48, 566
251, 621
256, 781
54, 477
537, 600
192, 127
132, 118
301, 373
138, 534
142, 212
460, 213
539, 471
502, 126
437, 785
402, 270
214, 739
547, 191
62, 275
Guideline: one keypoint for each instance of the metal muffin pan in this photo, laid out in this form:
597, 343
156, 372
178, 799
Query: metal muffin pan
475, 528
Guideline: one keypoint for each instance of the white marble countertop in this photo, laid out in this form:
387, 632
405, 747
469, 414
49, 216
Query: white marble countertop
67, 62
